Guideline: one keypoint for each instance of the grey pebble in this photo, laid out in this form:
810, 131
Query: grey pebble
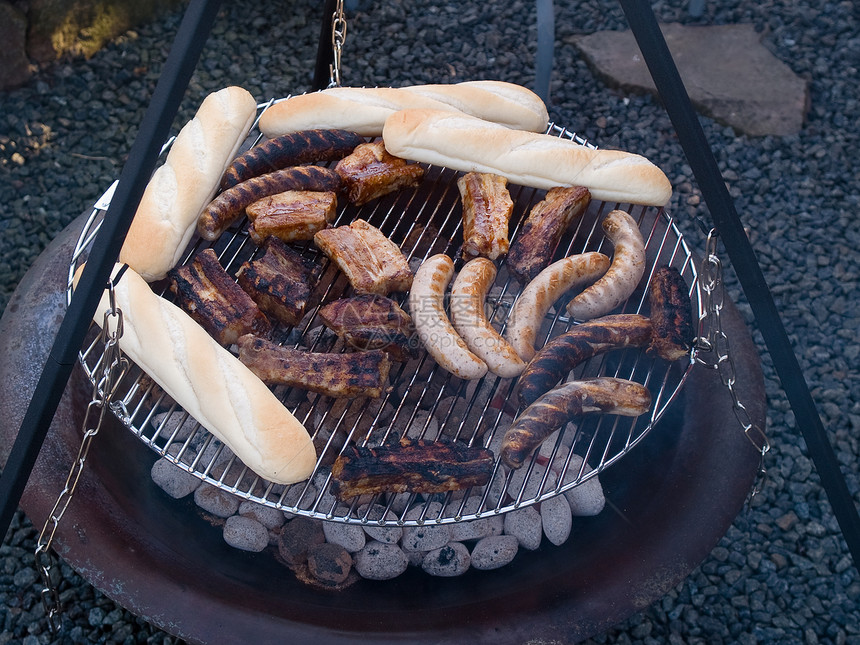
389, 533
556, 519
525, 525
453, 559
245, 533
269, 517
428, 536
350, 536
380, 561
216, 501
172, 479
494, 551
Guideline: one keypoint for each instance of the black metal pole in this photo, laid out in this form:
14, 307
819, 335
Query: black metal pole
184, 54
727, 223
325, 48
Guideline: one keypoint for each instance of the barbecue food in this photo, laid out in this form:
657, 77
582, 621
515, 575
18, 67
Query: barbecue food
437, 335
372, 322
179, 189
231, 204
364, 109
468, 297
292, 216
412, 466
563, 353
211, 297
487, 208
628, 266
371, 262
370, 172
209, 382
464, 143
534, 246
539, 295
338, 375
552, 410
280, 281
291, 149
671, 315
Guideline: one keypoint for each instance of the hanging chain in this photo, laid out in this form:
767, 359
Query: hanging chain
716, 344
338, 38
114, 366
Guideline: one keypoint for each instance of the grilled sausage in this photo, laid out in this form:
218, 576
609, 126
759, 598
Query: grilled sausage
538, 296
606, 395
290, 150
628, 266
470, 321
229, 205
671, 315
427, 307
563, 353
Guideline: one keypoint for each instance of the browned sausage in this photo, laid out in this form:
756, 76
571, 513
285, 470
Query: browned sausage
291, 149
561, 404
229, 205
559, 356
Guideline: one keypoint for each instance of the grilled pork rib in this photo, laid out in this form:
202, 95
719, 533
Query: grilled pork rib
487, 208
338, 375
211, 297
533, 249
371, 262
291, 216
371, 172
372, 322
413, 466
280, 281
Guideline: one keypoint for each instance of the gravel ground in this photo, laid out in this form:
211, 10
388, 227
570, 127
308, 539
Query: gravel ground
782, 574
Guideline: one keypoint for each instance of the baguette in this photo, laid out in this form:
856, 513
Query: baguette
210, 383
544, 161
180, 188
364, 109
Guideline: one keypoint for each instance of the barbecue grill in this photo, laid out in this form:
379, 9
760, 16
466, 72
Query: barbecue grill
704, 468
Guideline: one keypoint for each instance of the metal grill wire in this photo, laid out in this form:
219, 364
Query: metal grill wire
425, 401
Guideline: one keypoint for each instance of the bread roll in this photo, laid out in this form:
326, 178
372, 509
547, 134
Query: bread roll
210, 383
364, 109
468, 144
179, 189
505, 103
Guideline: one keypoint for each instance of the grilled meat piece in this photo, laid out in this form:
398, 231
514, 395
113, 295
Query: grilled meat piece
280, 281
371, 172
230, 205
533, 249
372, 322
606, 395
562, 354
371, 262
671, 315
487, 208
338, 375
292, 216
291, 149
212, 298
412, 466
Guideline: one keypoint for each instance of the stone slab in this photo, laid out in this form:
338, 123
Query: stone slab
14, 65
729, 74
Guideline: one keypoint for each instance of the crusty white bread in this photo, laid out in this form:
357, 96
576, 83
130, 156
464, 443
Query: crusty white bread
468, 144
508, 104
364, 109
181, 187
210, 383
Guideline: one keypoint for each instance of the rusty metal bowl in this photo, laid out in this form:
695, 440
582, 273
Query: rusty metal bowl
668, 504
